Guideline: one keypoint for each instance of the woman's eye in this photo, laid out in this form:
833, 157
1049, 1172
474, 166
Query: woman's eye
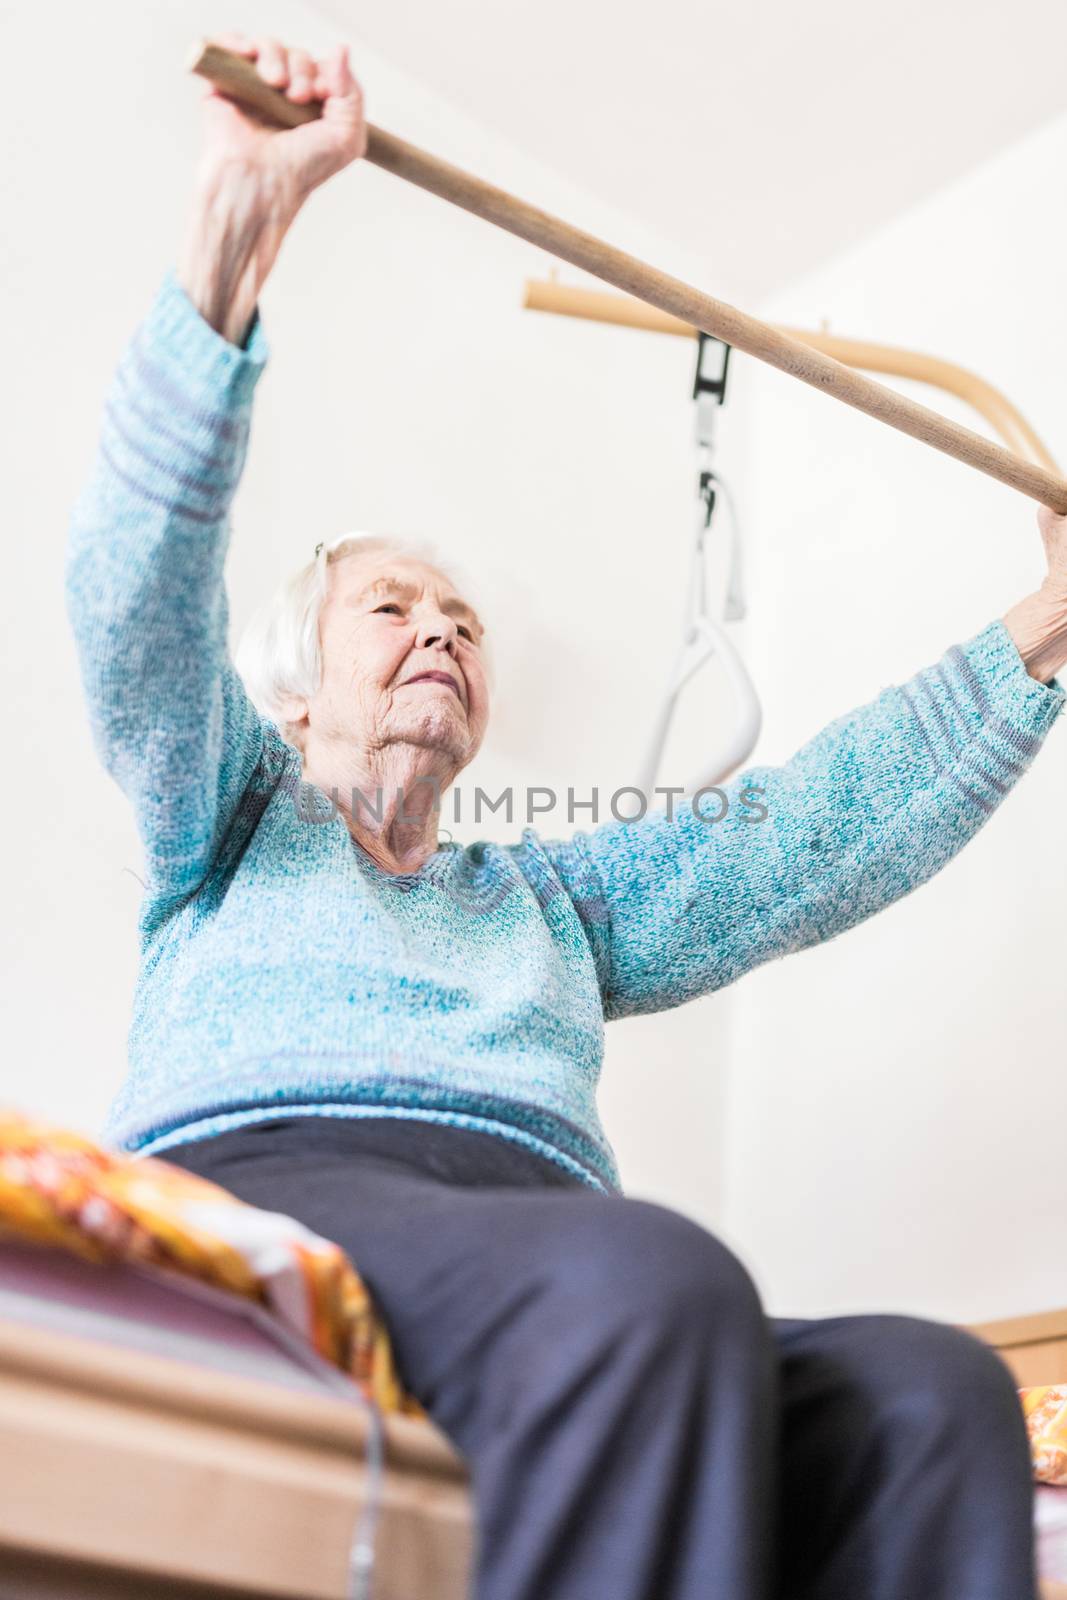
389, 606
465, 633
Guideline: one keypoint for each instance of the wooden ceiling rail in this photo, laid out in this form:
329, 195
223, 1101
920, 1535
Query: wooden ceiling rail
572, 300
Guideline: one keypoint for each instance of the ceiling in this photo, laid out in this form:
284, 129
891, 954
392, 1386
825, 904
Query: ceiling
763, 137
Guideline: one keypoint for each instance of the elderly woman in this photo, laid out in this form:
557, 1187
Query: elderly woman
398, 1041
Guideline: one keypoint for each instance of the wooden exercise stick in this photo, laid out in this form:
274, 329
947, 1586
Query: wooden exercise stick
236, 77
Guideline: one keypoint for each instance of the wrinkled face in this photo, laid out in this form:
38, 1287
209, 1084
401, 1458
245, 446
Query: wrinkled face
402, 660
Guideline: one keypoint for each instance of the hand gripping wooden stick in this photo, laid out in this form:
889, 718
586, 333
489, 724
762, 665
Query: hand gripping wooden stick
238, 79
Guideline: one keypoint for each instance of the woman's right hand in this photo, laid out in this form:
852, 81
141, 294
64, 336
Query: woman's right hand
253, 178
287, 162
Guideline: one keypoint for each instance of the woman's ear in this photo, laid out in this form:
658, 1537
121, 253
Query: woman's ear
293, 718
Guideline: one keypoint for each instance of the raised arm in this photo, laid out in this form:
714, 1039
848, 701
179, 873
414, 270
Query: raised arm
865, 812
144, 574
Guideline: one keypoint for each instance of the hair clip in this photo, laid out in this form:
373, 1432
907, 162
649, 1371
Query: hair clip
319, 546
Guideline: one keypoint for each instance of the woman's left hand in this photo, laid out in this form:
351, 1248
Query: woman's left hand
1038, 624
1054, 537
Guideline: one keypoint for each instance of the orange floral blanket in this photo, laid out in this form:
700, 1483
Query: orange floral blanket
1046, 1423
59, 1189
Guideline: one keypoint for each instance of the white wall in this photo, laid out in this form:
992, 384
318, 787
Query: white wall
893, 1095
407, 391
896, 1096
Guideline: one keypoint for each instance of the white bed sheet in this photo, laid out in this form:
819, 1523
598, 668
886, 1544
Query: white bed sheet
1050, 1518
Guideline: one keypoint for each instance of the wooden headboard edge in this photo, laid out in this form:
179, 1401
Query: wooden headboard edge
1040, 1327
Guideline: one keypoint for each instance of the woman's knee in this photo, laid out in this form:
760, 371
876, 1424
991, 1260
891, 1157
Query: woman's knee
642, 1262
944, 1378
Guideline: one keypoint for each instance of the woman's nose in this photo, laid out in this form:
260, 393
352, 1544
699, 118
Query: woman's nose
437, 629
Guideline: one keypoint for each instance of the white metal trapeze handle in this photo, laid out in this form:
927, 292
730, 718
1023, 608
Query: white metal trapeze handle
705, 640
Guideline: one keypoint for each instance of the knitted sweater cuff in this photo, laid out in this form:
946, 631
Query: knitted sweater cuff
993, 669
219, 376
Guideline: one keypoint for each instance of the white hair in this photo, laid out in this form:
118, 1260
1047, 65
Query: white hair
280, 652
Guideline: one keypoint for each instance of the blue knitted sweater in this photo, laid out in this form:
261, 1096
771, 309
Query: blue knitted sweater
284, 973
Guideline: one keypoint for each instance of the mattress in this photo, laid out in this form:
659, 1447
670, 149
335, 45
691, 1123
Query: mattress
156, 1428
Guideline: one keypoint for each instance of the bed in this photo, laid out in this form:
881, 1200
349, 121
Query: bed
1035, 1349
160, 1436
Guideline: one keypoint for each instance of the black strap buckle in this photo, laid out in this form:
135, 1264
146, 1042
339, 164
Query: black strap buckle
713, 363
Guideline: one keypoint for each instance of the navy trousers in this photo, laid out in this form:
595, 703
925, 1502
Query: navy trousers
636, 1427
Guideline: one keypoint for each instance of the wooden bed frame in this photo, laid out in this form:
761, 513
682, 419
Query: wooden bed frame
124, 1473
1035, 1348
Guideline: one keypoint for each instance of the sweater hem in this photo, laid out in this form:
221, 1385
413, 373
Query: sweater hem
207, 1127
